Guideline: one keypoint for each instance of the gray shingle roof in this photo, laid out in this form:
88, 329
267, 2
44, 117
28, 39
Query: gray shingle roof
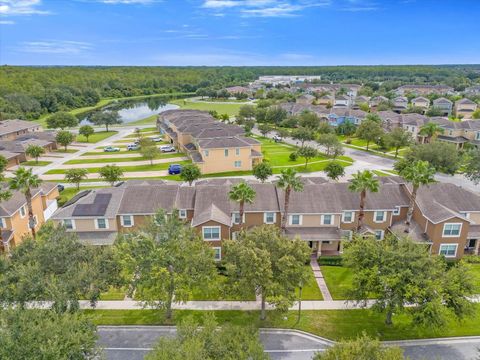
11, 126
322, 233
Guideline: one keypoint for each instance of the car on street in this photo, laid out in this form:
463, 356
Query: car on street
157, 139
131, 147
111, 149
60, 187
277, 138
174, 169
167, 148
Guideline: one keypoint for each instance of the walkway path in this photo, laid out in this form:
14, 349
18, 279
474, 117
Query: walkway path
123, 163
317, 273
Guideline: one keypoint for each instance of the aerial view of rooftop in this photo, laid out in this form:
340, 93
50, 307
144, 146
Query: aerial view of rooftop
239, 179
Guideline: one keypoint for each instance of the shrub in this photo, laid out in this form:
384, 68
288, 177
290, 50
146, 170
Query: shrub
330, 260
293, 156
348, 141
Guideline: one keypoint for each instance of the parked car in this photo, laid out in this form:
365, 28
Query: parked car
167, 148
131, 147
157, 139
60, 187
111, 149
277, 138
174, 169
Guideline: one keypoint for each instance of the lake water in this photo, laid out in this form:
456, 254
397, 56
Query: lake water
133, 110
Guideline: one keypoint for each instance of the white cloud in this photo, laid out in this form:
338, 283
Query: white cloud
21, 7
7, 22
128, 2
55, 47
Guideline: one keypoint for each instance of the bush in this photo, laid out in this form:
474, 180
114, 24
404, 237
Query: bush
471, 259
293, 156
348, 141
330, 260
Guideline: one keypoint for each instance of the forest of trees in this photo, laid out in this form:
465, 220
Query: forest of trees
29, 92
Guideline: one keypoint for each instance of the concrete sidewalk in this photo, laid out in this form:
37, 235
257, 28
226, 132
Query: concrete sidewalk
123, 163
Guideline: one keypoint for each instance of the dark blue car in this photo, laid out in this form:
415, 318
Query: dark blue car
174, 169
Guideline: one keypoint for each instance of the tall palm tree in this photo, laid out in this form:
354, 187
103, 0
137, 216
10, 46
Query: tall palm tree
363, 182
417, 173
24, 181
288, 181
242, 193
431, 131
5, 194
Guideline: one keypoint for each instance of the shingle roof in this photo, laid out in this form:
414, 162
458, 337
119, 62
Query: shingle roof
321, 233
11, 126
223, 142
465, 101
17, 200
148, 199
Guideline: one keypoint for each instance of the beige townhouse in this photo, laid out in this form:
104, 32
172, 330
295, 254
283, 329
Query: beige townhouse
465, 108
421, 103
11, 129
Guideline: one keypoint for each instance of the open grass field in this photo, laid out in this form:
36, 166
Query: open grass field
118, 160
35, 163
230, 109
339, 281
310, 290
96, 137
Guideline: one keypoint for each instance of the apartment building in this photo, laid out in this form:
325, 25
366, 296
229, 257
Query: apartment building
446, 217
14, 213
214, 146
465, 108
444, 105
400, 103
334, 116
11, 129
421, 103
424, 89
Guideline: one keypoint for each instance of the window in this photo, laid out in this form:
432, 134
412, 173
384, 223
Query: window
23, 211
397, 210
379, 234
379, 216
211, 233
327, 219
182, 214
295, 220
127, 220
451, 230
35, 220
102, 223
326, 242
205, 152
466, 215
347, 234
3, 223
218, 253
69, 224
478, 136
238, 164
237, 151
448, 250
226, 152
236, 218
472, 243
347, 216
269, 218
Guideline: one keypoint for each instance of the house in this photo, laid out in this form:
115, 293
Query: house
212, 145
446, 217
400, 103
444, 105
235, 90
325, 100
377, 100
339, 116
305, 99
341, 101
465, 108
424, 90
11, 129
473, 90
421, 103
14, 213
460, 133
359, 100
350, 89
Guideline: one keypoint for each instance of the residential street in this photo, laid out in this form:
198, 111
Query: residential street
133, 342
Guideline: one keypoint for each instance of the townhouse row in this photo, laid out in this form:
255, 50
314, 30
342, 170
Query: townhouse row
446, 217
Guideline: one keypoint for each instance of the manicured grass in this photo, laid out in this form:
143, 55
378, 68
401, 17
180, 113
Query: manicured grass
113, 294
310, 290
146, 121
230, 109
475, 273
63, 151
115, 160
218, 291
155, 167
96, 137
34, 163
339, 280
332, 324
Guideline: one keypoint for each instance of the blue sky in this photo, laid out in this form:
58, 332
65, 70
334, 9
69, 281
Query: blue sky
239, 32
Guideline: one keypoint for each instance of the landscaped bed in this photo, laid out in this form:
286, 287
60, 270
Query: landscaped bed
115, 160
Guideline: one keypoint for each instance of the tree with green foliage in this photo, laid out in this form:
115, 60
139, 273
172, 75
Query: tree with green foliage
275, 115
195, 341
260, 114
397, 139
106, 118
369, 130
149, 149
334, 170
243, 194
309, 120
190, 173
472, 168
24, 181
282, 133
303, 134
386, 269
163, 260
34, 151
64, 138
346, 128
264, 262
328, 141
361, 348
337, 150
307, 152
444, 157
111, 174
476, 114
288, 181
434, 111
364, 107
417, 174
262, 171
373, 117
247, 112
61, 120
325, 128
431, 131
86, 130
363, 182
44, 334
5, 195
75, 176
264, 129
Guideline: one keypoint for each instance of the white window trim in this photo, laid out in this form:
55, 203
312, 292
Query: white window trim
397, 210
131, 220
237, 151
448, 256
220, 249
382, 236
24, 208
180, 216
212, 227
73, 224
107, 226
3, 223
452, 236
239, 163
225, 152
300, 219
384, 218
343, 217
233, 217
265, 217
350, 234
332, 219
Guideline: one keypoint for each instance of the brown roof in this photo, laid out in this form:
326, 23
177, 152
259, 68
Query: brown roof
11, 126
321, 233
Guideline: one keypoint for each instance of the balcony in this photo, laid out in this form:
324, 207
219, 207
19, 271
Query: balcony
51, 208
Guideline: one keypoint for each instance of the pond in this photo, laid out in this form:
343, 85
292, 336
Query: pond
133, 110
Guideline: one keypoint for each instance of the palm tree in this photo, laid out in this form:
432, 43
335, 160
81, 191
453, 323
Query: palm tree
24, 181
431, 131
5, 194
242, 193
417, 173
288, 181
362, 182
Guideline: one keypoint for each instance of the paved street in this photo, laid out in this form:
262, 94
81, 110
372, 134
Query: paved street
133, 342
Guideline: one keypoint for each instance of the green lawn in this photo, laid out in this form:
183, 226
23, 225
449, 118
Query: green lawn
310, 290
146, 121
115, 160
332, 324
96, 137
63, 151
230, 109
113, 294
338, 279
154, 167
218, 291
68, 193
34, 163
475, 271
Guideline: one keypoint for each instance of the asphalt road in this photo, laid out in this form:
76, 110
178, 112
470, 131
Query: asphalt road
133, 342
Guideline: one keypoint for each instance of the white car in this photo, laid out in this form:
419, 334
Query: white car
167, 148
276, 138
157, 139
